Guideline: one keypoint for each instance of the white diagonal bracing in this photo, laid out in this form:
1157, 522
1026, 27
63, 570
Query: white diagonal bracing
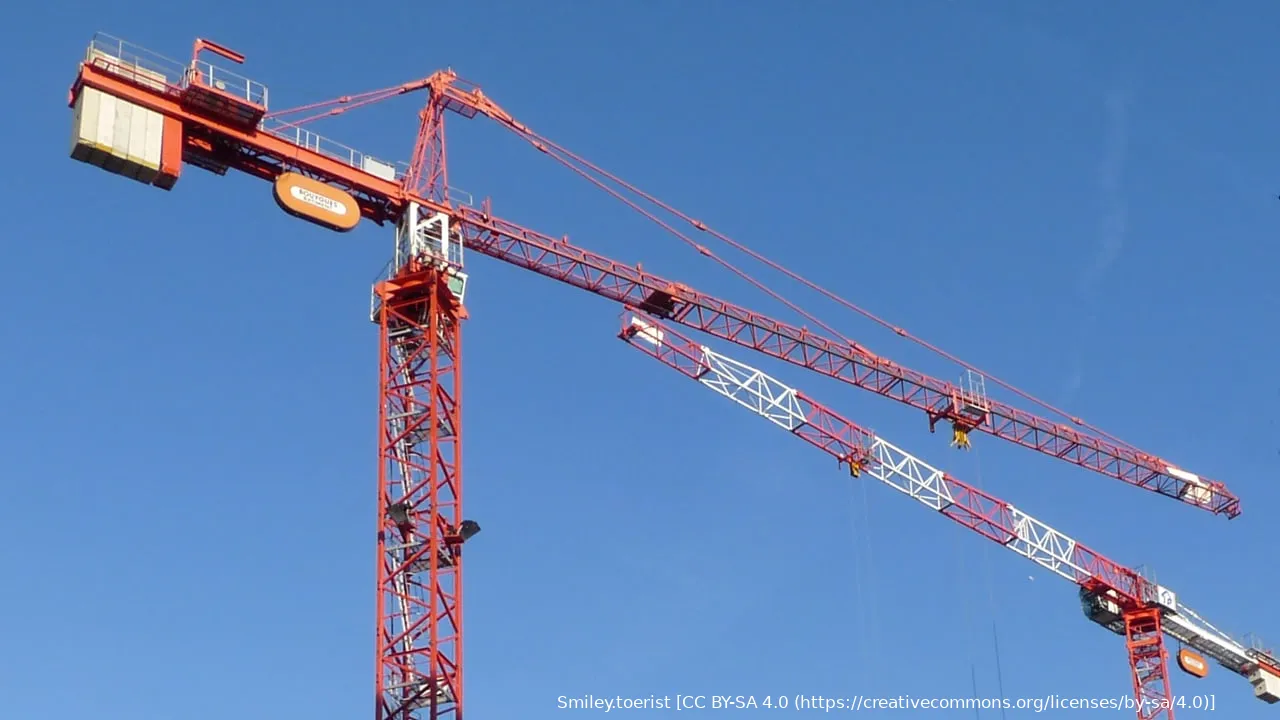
781, 404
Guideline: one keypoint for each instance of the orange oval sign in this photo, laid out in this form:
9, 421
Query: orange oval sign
313, 201
1192, 663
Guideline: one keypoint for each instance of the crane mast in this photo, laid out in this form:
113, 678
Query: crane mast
419, 312
144, 116
1114, 596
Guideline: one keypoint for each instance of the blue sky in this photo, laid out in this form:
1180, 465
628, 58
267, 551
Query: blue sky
1083, 203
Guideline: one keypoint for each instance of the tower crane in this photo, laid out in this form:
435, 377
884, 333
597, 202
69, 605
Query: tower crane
1112, 595
145, 116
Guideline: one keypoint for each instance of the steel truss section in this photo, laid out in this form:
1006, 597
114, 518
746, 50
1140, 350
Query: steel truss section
219, 145
865, 452
419, 605
1148, 661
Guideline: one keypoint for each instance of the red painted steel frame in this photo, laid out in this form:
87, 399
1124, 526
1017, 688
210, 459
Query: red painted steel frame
419, 642
853, 364
845, 440
985, 514
266, 156
1148, 661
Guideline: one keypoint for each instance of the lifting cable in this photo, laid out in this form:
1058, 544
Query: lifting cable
871, 610
860, 614
702, 250
961, 551
569, 158
973, 675
991, 595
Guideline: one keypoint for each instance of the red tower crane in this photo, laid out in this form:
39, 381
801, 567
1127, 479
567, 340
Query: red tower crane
144, 116
1113, 596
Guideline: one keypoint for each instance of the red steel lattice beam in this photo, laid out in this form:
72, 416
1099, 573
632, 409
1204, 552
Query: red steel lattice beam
854, 445
861, 450
265, 155
853, 364
419, 643
1148, 661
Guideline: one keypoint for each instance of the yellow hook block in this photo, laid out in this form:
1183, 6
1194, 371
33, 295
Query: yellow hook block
959, 437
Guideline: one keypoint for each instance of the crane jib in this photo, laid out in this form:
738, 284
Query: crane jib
142, 116
272, 149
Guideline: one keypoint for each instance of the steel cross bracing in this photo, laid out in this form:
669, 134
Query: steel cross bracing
865, 452
1148, 664
681, 304
271, 148
419, 310
224, 125
419, 644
